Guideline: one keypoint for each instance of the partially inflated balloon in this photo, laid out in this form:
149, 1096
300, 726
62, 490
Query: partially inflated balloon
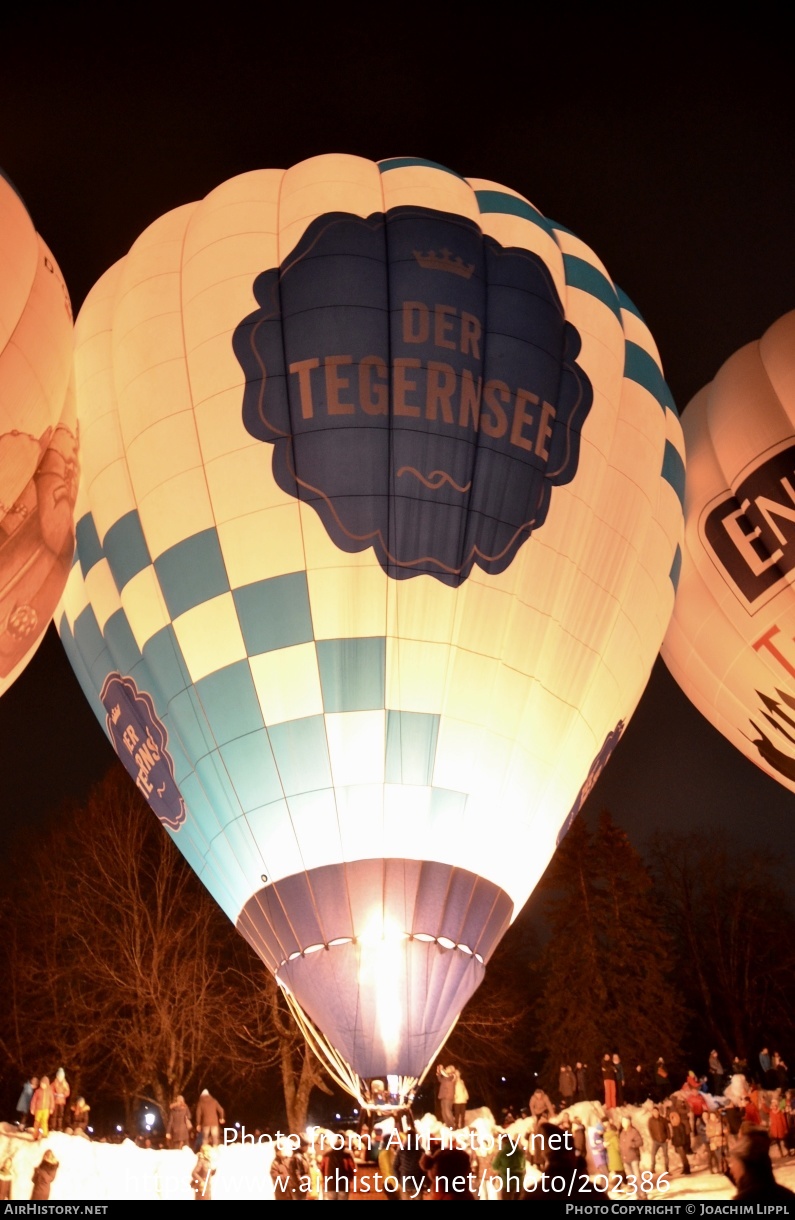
377, 547
731, 641
38, 442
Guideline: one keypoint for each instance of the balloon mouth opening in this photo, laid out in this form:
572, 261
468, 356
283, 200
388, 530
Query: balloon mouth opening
367, 940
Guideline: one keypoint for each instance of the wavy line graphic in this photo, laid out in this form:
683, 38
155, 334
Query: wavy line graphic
435, 480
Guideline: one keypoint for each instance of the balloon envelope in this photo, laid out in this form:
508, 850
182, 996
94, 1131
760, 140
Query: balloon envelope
731, 642
377, 544
38, 440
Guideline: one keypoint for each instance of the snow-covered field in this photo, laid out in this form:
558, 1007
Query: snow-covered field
90, 1171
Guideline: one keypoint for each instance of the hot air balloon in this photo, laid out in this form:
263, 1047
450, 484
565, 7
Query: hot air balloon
731, 642
377, 542
38, 440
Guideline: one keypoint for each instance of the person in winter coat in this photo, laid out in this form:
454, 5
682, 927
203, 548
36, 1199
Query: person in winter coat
411, 1178
209, 1118
448, 1170
563, 1162
777, 1126
661, 1085
764, 1064
60, 1093
752, 1172
337, 1173
285, 1184
179, 1126
733, 1118
596, 1141
581, 1074
779, 1072
716, 1074
6, 1177
460, 1099
41, 1107
619, 1070
509, 1165
292, 1180
80, 1112
540, 1105
446, 1093
386, 1167
25, 1098
680, 1137
201, 1177
609, 1081
630, 1141
43, 1176
567, 1086
716, 1141
615, 1165
660, 1132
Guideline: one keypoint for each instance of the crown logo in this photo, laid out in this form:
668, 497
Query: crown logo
115, 714
444, 262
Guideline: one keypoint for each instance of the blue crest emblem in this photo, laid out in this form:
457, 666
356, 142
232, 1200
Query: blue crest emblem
419, 385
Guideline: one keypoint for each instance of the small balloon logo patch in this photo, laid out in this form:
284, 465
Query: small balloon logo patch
419, 385
140, 739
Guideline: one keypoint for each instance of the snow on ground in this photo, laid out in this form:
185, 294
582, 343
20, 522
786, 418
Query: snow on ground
92, 1171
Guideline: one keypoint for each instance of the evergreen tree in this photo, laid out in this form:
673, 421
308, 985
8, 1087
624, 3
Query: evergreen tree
607, 965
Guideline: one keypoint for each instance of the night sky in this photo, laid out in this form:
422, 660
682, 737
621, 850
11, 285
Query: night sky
669, 150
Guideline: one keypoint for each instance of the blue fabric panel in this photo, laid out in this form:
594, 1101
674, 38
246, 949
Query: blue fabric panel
556, 227
639, 366
252, 770
274, 613
410, 747
583, 275
673, 471
352, 673
402, 162
126, 549
218, 790
192, 572
164, 660
92, 646
230, 702
626, 303
81, 672
676, 568
202, 824
183, 767
446, 804
509, 205
301, 753
186, 715
89, 548
191, 849
121, 642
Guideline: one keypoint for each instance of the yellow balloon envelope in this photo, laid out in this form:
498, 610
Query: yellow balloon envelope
731, 641
38, 441
378, 542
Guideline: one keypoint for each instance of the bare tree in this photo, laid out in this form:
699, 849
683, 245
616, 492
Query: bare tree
122, 967
268, 1030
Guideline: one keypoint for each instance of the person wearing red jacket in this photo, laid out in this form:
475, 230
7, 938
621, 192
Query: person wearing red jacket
42, 1105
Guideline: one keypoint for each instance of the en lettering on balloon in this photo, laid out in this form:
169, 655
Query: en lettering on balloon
731, 641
